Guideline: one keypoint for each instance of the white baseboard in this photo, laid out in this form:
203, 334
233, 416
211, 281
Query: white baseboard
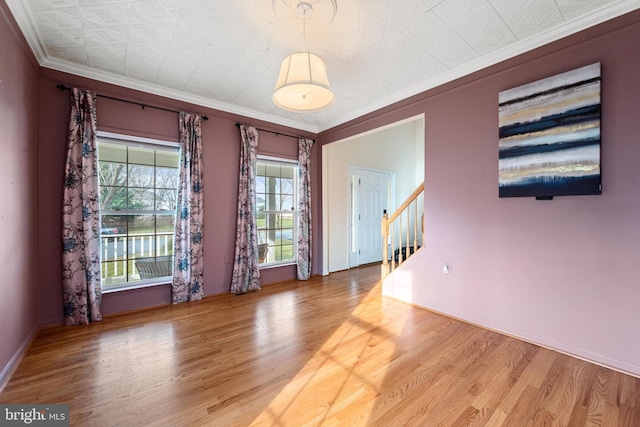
598, 359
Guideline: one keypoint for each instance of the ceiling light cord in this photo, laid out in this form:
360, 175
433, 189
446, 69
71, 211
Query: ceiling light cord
305, 7
303, 85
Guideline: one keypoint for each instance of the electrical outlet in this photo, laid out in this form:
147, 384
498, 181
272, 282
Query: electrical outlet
226, 259
445, 268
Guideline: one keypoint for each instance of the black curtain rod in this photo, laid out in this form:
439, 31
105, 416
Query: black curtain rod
275, 133
63, 88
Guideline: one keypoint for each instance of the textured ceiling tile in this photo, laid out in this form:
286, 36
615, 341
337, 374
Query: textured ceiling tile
371, 28
403, 78
245, 74
386, 71
367, 58
378, 7
411, 54
255, 98
429, 67
528, 17
64, 38
574, 8
261, 54
157, 33
477, 23
51, 4
226, 91
110, 51
170, 4
203, 85
184, 62
264, 85
105, 15
401, 14
152, 10
231, 50
391, 45
106, 35
66, 18
73, 54
198, 88
423, 28
430, 4
110, 65
537, 20
348, 48
204, 8
173, 76
494, 37
142, 69
443, 43
215, 60
84, 3
349, 16
232, 30
207, 75
190, 31
145, 51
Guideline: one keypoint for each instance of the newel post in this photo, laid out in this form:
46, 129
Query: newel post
385, 245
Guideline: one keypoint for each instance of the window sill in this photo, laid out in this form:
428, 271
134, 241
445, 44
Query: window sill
275, 265
161, 281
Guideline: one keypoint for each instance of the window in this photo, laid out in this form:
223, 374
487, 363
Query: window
276, 211
138, 183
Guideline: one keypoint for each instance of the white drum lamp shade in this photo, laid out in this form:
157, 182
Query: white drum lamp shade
303, 84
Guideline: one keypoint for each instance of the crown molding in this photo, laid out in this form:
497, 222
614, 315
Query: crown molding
571, 27
26, 23
154, 89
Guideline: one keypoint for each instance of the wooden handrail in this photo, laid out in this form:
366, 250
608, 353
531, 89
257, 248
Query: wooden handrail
406, 203
403, 251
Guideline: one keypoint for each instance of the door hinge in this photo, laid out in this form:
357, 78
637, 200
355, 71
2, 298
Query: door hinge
358, 216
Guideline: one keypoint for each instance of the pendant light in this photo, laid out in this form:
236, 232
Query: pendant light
303, 85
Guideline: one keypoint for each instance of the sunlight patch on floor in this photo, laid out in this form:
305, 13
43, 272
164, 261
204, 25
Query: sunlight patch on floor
399, 285
342, 371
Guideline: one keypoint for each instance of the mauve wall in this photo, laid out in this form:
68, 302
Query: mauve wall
221, 146
562, 273
18, 191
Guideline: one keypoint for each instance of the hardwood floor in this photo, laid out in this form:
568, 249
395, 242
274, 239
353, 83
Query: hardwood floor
328, 352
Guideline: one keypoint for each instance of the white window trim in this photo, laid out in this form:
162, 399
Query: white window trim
136, 141
143, 284
282, 160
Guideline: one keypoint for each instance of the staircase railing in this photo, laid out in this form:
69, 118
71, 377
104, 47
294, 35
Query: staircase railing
394, 231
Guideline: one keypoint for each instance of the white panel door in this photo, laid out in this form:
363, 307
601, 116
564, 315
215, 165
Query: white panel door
373, 199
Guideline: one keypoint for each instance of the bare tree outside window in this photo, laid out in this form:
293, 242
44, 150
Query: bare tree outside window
138, 200
275, 209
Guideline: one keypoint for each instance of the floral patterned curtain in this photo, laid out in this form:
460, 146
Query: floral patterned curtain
81, 287
304, 208
188, 262
246, 274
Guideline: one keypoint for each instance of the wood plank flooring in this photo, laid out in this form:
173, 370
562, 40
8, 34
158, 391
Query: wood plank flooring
328, 352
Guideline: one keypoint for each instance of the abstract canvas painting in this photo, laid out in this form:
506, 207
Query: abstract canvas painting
550, 136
